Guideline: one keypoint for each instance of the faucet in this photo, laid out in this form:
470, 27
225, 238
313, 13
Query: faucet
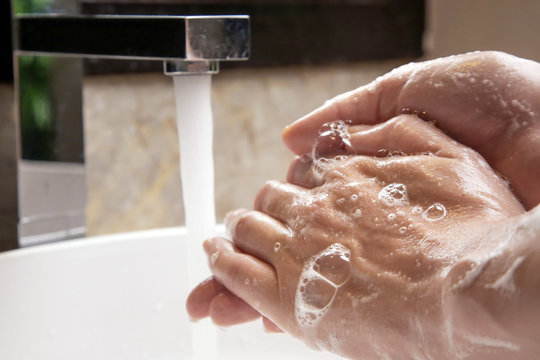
47, 199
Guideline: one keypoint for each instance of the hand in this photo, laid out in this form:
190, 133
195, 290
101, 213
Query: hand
485, 100
211, 299
353, 259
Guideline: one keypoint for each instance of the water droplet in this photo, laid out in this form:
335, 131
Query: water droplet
277, 246
214, 257
357, 213
435, 212
354, 197
391, 216
403, 229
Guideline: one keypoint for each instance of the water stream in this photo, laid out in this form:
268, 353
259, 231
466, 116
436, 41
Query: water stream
195, 130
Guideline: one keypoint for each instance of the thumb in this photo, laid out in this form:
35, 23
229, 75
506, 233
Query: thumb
369, 104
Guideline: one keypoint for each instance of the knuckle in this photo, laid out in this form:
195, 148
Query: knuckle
264, 193
243, 225
408, 121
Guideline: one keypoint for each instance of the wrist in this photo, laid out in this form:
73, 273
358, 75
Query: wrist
518, 158
491, 298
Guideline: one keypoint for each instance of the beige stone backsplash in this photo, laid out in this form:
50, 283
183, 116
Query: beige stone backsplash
132, 146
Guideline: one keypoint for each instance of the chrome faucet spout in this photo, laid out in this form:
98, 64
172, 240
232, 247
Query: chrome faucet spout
187, 44
189, 38
48, 166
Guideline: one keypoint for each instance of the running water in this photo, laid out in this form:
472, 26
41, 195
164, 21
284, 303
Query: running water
194, 119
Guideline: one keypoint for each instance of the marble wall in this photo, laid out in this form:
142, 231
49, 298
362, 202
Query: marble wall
132, 145
131, 141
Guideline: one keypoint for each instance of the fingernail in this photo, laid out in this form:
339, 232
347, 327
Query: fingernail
230, 221
208, 246
299, 170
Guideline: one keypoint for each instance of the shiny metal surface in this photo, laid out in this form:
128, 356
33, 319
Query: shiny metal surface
48, 151
190, 38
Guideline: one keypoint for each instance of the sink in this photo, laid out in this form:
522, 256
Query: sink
118, 296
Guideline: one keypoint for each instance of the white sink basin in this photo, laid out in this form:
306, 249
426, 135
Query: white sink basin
115, 297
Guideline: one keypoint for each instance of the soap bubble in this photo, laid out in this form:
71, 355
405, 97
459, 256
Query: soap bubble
394, 195
319, 293
329, 147
417, 210
277, 246
435, 212
319, 281
357, 213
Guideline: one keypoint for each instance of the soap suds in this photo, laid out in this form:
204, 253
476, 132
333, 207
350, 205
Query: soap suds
506, 283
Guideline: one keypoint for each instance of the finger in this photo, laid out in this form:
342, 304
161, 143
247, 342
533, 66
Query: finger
200, 298
277, 199
226, 309
404, 134
368, 104
301, 173
269, 326
256, 233
249, 278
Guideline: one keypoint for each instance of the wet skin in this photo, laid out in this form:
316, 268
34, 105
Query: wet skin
410, 273
485, 100
415, 284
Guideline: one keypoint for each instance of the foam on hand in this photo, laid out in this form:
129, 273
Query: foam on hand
321, 277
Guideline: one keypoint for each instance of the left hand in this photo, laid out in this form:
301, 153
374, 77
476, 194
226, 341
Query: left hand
487, 101
362, 217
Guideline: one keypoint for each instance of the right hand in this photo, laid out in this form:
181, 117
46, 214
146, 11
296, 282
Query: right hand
488, 101
368, 208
